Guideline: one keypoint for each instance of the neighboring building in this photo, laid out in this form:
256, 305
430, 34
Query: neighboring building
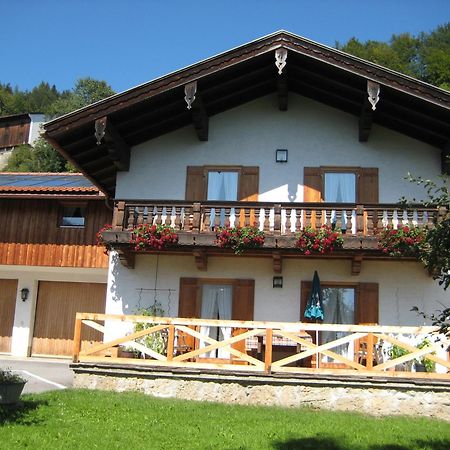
18, 129
276, 131
50, 265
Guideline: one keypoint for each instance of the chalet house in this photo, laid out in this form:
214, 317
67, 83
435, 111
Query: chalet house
283, 133
50, 266
18, 129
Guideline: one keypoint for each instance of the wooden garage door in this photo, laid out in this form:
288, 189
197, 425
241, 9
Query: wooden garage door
57, 304
8, 290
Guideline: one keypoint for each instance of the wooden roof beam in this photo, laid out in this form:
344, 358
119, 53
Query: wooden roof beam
199, 115
118, 150
445, 159
365, 121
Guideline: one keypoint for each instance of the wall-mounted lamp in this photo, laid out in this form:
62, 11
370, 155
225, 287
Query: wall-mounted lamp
24, 294
277, 282
281, 155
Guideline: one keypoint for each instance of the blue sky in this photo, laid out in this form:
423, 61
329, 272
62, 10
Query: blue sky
129, 42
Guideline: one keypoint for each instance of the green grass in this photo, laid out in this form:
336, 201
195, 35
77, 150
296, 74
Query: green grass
106, 420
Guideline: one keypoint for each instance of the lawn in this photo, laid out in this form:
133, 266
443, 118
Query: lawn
106, 420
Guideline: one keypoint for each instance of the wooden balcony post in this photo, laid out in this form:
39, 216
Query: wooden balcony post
277, 219
196, 211
359, 219
268, 351
76, 340
119, 211
170, 342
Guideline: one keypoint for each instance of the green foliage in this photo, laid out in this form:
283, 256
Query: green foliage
425, 57
156, 341
42, 158
240, 238
78, 419
430, 366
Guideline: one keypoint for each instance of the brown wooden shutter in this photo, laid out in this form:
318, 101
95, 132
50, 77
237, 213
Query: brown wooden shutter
305, 289
367, 304
188, 307
243, 300
368, 185
195, 183
249, 184
312, 184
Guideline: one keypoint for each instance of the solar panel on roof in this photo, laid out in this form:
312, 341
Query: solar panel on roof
37, 181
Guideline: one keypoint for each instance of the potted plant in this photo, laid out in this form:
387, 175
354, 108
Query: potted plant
424, 364
11, 386
401, 241
240, 238
319, 240
396, 352
157, 237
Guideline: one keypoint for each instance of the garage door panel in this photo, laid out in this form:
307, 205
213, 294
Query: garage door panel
57, 305
8, 291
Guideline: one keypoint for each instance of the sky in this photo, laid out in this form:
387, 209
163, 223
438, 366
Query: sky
129, 42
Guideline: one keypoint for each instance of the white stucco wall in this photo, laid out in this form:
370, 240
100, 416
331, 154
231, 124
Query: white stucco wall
402, 284
314, 135
29, 277
37, 120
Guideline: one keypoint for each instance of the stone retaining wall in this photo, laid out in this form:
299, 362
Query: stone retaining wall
372, 396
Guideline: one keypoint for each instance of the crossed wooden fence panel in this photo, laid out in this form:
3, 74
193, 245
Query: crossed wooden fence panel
298, 335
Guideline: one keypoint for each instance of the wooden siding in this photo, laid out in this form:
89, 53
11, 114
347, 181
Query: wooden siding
14, 134
30, 234
57, 305
8, 290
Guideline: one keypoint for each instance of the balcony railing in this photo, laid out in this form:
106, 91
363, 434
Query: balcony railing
272, 218
265, 347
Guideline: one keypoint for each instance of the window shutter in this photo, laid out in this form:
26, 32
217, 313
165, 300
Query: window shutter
305, 289
312, 184
368, 185
243, 300
249, 184
195, 184
367, 304
188, 306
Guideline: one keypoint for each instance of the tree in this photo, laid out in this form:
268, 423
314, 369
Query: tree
425, 57
85, 92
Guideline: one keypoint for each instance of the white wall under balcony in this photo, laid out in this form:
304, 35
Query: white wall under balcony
402, 285
314, 135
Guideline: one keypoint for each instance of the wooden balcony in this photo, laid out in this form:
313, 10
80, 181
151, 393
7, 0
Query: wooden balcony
265, 347
195, 224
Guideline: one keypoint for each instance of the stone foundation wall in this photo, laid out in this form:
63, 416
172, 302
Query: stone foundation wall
375, 397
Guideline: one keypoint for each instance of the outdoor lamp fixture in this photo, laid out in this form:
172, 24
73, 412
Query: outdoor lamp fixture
24, 294
277, 282
281, 155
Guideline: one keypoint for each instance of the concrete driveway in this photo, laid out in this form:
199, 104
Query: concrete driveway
43, 374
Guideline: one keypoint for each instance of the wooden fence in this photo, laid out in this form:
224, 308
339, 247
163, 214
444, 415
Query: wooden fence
250, 346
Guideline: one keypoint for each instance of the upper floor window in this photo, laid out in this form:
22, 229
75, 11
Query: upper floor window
341, 185
73, 216
222, 185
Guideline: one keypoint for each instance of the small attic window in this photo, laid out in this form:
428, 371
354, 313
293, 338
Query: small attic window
72, 216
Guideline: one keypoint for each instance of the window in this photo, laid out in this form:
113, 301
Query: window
72, 216
229, 183
222, 185
341, 184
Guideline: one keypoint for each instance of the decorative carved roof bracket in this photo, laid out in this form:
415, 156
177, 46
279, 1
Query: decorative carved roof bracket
277, 262
280, 59
118, 150
201, 260
356, 264
200, 117
282, 88
373, 91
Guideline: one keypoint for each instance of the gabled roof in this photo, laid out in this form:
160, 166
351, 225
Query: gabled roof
237, 76
20, 184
